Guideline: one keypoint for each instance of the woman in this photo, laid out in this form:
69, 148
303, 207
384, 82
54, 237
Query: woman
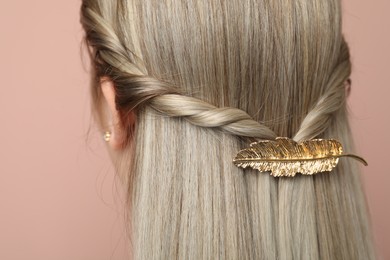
179, 87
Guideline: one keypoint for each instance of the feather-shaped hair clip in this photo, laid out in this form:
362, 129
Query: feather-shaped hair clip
285, 157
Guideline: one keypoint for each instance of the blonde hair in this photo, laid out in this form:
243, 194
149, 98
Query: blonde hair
205, 78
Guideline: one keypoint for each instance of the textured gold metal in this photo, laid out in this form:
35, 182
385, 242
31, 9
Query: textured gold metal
285, 157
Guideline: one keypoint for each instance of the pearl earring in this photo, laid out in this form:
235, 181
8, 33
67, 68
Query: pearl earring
107, 136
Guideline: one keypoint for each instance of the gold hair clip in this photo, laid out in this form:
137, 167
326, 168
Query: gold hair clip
285, 157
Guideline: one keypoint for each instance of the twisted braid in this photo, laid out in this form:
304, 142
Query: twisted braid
318, 119
135, 88
231, 120
109, 47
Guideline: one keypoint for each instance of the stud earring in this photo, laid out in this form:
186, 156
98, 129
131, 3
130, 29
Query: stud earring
107, 136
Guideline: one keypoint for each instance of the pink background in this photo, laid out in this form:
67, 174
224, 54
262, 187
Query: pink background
58, 196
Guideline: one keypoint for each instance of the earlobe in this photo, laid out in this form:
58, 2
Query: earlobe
116, 129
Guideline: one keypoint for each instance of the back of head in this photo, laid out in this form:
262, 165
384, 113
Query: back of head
193, 71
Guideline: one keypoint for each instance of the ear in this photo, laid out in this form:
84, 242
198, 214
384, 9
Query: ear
115, 126
348, 84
